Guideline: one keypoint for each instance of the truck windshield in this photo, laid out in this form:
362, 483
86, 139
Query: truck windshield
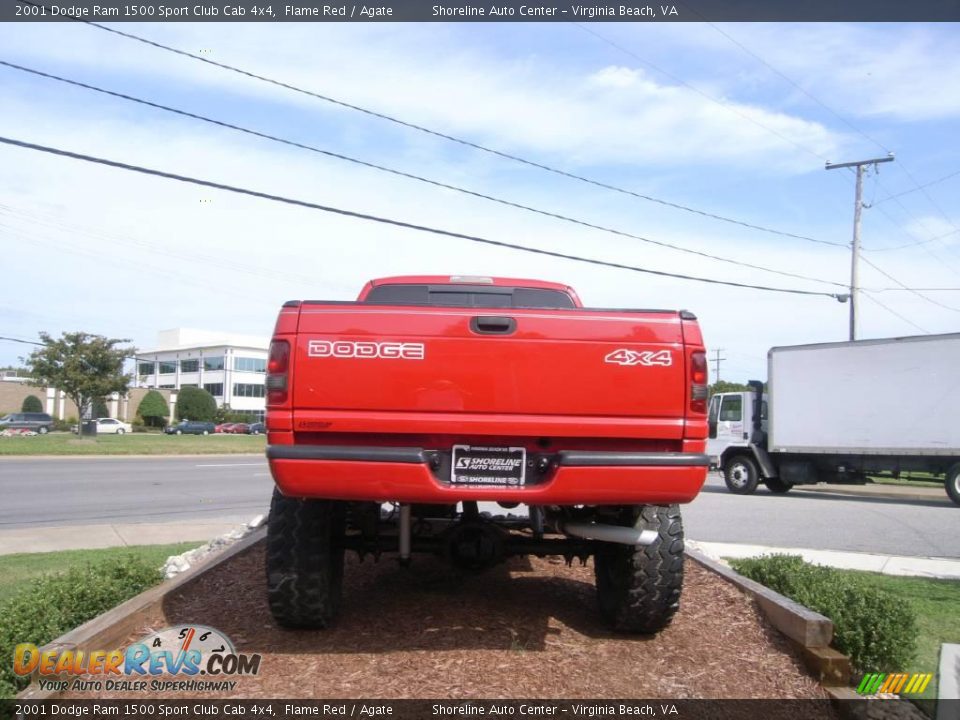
469, 296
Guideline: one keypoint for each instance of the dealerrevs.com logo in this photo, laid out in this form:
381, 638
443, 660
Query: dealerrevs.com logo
187, 658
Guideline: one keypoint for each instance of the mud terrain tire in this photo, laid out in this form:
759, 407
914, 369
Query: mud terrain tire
638, 587
304, 561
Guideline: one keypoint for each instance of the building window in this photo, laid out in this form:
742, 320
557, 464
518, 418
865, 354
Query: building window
213, 363
247, 364
189, 366
168, 368
248, 390
171, 386
215, 389
145, 368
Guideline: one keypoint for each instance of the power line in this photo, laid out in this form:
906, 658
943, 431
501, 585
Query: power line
928, 196
911, 290
396, 223
799, 87
895, 313
126, 241
452, 138
919, 187
717, 101
890, 196
924, 245
410, 176
912, 244
40, 344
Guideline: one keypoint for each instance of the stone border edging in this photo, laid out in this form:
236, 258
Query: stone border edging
808, 631
112, 627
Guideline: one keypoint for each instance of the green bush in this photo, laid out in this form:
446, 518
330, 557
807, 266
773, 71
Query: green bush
196, 404
31, 403
64, 425
875, 628
226, 415
154, 409
52, 605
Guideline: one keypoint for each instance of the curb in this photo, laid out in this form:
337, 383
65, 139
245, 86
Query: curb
115, 625
809, 632
885, 495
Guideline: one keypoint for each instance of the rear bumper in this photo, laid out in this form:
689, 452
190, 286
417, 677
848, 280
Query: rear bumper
404, 475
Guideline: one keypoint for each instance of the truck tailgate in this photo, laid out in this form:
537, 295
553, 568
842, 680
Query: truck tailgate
591, 365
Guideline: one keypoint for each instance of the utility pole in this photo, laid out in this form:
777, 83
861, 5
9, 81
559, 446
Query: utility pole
855, 244
717, 360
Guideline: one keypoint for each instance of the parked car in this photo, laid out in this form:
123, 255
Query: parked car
41, 423
222, 427
258, 428
112, 426
106, 426
190, 427
239, 429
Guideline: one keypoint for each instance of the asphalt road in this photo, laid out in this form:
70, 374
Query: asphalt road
55, 492
805, 518
39, 492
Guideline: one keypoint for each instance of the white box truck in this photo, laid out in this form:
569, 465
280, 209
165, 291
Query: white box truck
840, 412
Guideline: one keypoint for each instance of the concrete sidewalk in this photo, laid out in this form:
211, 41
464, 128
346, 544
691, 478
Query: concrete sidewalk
945, 568
86, 537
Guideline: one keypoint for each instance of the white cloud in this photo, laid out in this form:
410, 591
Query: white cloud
907, 72
524, 103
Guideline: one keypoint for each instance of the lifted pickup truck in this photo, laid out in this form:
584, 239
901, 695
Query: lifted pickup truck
391, 418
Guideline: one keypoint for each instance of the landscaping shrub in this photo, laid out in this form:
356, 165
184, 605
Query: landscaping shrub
51, 605
31, 403
153, 409
140, 427
64, 425
874, 627
226, 415
196, 404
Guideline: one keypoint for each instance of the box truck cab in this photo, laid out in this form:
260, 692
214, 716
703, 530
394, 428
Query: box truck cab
841, 412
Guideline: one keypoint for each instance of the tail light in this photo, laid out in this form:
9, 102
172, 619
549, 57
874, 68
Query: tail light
698, 382
278, 366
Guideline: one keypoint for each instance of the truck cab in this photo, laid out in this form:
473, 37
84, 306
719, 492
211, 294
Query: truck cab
730, 419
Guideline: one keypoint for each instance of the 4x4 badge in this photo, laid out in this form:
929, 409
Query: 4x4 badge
640, 357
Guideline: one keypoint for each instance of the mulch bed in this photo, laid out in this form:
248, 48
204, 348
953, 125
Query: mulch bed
527, 629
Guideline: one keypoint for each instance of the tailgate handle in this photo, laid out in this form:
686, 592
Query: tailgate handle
488, 325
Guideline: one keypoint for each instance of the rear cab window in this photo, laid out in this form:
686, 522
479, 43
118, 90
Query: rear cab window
479, 296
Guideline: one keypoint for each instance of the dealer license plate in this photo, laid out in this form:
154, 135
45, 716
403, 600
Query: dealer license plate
493, 466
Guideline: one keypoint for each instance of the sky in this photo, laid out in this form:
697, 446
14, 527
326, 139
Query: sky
735, 120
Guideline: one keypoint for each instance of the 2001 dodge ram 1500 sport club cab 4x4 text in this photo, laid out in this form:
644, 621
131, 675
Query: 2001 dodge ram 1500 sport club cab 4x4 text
390, 418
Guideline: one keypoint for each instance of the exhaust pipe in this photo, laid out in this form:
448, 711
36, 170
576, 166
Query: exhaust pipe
609, 533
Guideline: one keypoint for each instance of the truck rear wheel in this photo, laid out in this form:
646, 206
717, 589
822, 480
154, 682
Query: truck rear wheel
777, 486
638, 587
304, 560
953, 483
741, 475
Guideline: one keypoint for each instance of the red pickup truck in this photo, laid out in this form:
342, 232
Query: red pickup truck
390, 419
